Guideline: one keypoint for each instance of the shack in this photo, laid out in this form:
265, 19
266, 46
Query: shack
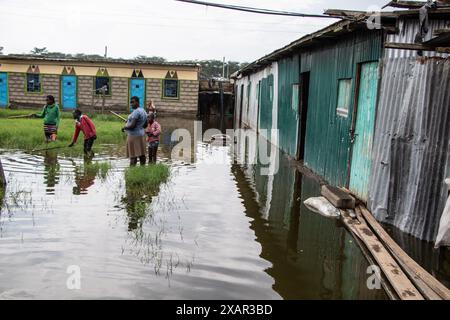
97, 84
365, 107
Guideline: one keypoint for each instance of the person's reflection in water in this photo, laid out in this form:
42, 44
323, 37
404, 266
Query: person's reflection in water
85, 176
51, 170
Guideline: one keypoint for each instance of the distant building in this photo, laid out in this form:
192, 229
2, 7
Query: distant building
365, 108
94, 84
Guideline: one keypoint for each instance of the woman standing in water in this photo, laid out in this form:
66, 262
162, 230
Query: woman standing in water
134, 128
52, 116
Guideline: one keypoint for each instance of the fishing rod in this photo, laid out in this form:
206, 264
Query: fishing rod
51, 148
21, 116
118, 115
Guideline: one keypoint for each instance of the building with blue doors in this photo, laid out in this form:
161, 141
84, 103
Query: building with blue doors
97, 84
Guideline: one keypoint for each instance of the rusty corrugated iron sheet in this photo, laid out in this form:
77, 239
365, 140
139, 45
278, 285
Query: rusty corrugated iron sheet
408, 28
411, 145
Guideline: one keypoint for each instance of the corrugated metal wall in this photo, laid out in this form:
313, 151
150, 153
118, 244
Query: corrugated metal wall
288, 116
327, 135
408, 28
411, 145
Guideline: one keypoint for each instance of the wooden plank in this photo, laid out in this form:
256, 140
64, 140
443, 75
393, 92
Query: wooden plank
2, 175
443, 49
438, 32
384, 283
408, 46
397, 278
337, 197
414, 270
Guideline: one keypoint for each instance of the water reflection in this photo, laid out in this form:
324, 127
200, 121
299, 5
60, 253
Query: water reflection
435, 261
84, 177
312, 257
51, 170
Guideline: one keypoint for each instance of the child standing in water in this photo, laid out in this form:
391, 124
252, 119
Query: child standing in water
153, 132
84, 124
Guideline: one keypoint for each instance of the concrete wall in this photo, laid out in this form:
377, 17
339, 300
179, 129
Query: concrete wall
18, 97
118, 101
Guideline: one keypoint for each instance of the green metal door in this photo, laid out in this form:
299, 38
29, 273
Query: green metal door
364, 127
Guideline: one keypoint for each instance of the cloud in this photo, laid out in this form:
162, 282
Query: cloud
166, 28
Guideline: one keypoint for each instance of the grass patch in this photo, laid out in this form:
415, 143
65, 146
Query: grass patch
146, 177
28, 134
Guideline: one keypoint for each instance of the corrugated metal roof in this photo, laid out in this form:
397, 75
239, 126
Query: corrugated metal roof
411, 144
93, 60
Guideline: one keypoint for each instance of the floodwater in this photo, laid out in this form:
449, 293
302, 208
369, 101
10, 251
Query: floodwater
215, 230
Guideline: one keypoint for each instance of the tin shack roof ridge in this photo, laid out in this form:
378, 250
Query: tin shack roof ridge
351, 20
26, 57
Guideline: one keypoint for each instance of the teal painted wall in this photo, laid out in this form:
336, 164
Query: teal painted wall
327, 146
288, 75
365, 123
266, 104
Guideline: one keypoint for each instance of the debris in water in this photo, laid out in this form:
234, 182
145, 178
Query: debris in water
323, 207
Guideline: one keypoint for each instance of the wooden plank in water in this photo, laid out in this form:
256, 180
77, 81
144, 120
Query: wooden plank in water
338, 198
404, 288
2, 175
430, 287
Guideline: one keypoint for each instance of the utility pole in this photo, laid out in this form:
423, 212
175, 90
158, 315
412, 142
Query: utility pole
223, 68
106, 52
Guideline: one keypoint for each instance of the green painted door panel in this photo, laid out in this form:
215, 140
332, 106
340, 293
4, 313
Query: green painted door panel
365, 122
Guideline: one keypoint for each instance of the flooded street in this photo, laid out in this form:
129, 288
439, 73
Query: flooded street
216, 230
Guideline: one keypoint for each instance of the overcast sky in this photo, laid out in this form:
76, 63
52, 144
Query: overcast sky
166, 28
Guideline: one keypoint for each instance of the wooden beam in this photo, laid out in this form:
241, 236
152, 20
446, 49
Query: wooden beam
408, 46
397, 278
438, 32
430, 287
443, 49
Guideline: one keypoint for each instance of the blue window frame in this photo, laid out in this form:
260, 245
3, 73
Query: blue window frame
33, 82
101, 82
170, 89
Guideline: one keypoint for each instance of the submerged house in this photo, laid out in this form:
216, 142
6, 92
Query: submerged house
364, 109
97, 84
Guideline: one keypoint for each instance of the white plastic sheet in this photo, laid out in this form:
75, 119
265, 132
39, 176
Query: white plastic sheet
443, 237
323, 207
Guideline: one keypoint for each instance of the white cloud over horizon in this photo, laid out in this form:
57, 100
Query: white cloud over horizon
166, 28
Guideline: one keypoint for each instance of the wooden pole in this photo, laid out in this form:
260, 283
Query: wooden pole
21, 116
2, 175
118, 115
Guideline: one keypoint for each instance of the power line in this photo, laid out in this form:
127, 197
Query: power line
258, 10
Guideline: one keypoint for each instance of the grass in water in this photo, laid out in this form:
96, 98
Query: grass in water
141, 184
146, 177
28, 134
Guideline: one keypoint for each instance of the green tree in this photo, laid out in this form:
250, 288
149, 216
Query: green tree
39, 51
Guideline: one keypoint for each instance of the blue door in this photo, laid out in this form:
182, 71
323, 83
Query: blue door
3, 89
69, 92
137, 88
365, 122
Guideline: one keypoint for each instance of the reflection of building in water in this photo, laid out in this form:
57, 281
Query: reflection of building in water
51, 170
312, 257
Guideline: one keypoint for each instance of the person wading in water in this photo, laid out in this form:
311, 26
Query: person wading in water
153, 132
52, 116
135, 125
84, 124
